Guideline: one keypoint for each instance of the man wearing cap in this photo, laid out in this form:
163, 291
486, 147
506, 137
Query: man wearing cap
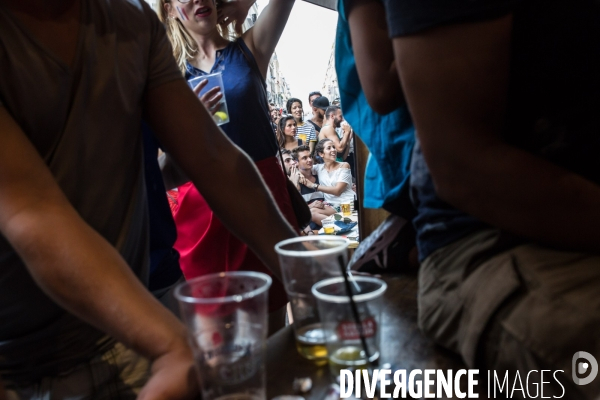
319, 105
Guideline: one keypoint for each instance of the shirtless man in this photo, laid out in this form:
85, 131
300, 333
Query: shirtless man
333, 120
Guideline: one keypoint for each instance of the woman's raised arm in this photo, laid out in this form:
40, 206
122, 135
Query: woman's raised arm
262, 38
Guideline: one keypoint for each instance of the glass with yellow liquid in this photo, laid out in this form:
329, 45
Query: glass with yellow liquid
328, 227
219, 112
346, 209
350, 357
304, 261
345, 348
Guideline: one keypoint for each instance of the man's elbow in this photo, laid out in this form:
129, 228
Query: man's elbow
382, 100
453, 188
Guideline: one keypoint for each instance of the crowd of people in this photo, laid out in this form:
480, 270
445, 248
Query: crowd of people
324, 176
479, 117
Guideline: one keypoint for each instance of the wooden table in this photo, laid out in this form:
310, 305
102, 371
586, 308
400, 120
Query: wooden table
402, 345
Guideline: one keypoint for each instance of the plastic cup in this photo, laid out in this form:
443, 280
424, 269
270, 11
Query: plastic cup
305, 261
221, 116
346, 209
328, 227
344, 345
226, 317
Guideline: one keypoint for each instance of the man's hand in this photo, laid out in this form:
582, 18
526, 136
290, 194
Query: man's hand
302, 180
173, 377
346, 128
234, 11
295, 175
37, 219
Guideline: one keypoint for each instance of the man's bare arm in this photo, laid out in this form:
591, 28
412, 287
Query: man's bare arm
455, 79
224, 174
172, 175
79, 269
340, 145
374, 55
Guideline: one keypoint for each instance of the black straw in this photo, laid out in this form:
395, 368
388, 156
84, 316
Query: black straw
357, 320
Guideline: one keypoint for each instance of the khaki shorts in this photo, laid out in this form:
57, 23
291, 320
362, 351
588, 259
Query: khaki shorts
513, 308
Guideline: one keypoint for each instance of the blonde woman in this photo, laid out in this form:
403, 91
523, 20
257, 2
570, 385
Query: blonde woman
202, 46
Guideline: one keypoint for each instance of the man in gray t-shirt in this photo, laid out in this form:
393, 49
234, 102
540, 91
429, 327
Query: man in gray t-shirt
78, 77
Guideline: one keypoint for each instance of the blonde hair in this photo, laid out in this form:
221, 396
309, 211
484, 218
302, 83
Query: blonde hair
184, 45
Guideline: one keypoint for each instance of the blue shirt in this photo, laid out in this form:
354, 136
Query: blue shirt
553, 93
390, 138
249, 124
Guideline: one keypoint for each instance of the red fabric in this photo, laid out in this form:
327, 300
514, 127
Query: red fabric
205, 246
172, 196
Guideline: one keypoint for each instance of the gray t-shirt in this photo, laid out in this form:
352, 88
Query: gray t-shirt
85, 121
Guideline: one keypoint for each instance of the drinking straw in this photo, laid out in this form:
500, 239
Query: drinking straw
357, 320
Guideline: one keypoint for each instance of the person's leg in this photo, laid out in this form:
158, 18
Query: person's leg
515, 309
555, 315
317, 215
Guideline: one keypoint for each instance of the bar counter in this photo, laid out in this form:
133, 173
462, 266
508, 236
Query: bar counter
402, 345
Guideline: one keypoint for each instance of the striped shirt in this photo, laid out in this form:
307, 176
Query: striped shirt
308, 130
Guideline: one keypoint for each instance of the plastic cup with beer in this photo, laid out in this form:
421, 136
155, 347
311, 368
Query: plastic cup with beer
346, 209
305, 261
345, 347
328, 227
221, 115
226, 317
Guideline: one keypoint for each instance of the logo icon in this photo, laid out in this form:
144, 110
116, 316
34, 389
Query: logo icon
581, 368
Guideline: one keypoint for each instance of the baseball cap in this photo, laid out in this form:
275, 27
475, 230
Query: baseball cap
321, 102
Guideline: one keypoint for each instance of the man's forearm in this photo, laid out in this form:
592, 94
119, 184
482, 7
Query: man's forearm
245, 205
172, 175
224, 175
523, 194
83, 273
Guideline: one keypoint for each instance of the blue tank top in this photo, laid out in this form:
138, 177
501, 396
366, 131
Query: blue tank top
249, 124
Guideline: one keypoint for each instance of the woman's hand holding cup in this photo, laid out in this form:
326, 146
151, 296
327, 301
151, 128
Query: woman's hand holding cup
211, 98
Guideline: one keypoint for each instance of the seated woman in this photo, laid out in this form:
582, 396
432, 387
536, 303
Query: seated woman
334, 177
286, 133
306, 180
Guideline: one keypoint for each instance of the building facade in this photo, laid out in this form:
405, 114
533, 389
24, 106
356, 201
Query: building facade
330, 88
